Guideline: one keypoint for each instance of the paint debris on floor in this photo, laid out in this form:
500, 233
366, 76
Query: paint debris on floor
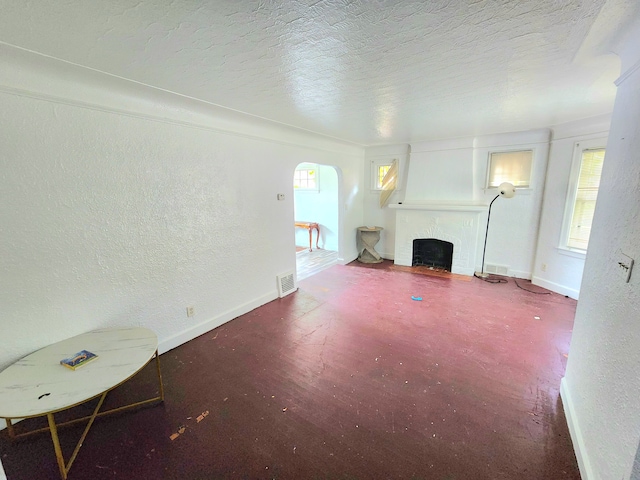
346, 378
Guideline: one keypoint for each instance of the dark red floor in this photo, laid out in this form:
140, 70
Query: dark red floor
348, 378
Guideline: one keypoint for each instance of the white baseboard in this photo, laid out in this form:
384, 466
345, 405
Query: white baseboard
183, 337
556, 287
178, 339
191, 333
520, 274
584, 464
344, 261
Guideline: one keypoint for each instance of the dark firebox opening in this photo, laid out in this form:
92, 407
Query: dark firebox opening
431, 252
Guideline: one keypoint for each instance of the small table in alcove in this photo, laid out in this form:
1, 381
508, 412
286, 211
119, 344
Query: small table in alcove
310, 226
369, 236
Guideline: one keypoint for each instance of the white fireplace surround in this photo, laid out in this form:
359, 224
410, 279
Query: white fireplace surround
453, 222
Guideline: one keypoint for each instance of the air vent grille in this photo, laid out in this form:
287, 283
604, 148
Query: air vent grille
497, 269
286, 284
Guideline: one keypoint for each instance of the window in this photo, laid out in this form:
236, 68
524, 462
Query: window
380, 174
379, 169
388, 183
512, 167
582, 194
305, 177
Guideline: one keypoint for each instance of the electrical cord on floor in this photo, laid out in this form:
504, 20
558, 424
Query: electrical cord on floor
495, 280
527, 290
492, 279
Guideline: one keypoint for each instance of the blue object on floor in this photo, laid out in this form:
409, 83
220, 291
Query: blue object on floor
419, 299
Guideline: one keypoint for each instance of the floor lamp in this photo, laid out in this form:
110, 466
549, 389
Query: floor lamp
506, 190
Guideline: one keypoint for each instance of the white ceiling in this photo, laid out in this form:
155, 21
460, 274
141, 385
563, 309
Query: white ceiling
370, 72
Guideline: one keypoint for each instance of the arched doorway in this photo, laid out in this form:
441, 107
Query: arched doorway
316, 200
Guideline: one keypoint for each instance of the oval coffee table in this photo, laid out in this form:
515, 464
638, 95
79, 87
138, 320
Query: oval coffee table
38, 385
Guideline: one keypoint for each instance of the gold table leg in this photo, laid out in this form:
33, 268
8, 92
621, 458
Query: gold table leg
160, 385
53, 427
12, 432
64, 468
56, 446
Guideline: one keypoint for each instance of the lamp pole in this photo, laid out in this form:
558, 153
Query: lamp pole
506, 190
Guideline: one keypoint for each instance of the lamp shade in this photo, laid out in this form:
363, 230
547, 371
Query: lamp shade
506, 190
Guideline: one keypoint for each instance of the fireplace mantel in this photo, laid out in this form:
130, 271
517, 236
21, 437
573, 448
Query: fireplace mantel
441, 207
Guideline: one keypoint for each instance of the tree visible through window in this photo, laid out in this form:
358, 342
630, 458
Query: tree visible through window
584, 201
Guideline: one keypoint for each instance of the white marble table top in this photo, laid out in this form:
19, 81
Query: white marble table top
38, 384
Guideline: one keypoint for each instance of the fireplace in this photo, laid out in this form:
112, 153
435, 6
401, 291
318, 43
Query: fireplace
432, 252
458, 224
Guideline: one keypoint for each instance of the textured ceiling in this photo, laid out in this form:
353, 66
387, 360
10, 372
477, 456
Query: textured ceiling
370, 72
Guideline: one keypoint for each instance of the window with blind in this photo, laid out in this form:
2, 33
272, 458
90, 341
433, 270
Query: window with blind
513, 167
583, 200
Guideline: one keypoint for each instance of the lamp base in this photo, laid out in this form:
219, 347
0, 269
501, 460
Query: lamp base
481, 274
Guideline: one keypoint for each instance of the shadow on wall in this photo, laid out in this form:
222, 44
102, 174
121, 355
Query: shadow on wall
635, 474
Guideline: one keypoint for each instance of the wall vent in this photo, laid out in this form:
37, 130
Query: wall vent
497, 269
286, 284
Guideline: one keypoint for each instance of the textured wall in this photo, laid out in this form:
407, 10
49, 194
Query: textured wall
114, 219
440, 172
515, 222
454, 171
384, 217
602, 385
563, 272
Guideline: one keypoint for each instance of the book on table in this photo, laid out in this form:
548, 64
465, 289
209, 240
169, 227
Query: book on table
78, 360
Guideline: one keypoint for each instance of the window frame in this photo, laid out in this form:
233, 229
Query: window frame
511, 150
308, 166
572, 189
375, 165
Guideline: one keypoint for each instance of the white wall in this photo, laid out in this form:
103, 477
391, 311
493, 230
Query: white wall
454, 171
384, 217
563, 269
513, 231
321, 207
441, 171
124, 216
601, 388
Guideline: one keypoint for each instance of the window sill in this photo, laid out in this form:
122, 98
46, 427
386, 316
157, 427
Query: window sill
571, 252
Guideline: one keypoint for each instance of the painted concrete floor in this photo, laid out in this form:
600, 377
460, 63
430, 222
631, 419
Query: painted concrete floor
349, 378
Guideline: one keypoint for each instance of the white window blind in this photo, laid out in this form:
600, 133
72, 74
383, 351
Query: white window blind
586, 196
512, 167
